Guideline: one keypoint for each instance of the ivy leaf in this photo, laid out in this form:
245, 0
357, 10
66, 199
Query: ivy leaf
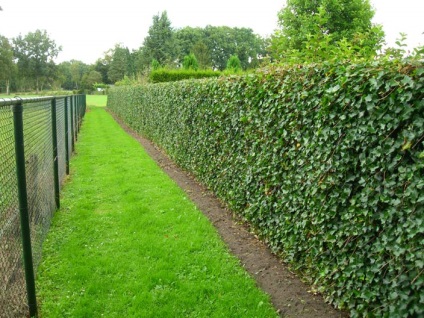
333, 89
407, 81
374, 83
407, 146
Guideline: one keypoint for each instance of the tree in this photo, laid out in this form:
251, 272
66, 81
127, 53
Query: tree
160, 43
192, 40
90, 79
120, 64
78, 69
190, 62
102, 66
213, 45
234, 64
155, 65
249, 47
35, 54
203, 55
325, 20
225, 41
186, 39
65, 77
7, 66
71, 74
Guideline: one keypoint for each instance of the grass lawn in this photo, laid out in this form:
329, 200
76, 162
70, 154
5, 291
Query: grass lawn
128, 243
97, 100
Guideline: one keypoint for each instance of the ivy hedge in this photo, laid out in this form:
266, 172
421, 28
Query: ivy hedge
325, 161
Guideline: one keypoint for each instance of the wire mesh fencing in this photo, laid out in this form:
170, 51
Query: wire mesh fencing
12, 284
37, 137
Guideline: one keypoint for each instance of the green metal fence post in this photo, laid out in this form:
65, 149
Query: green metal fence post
72, 123
80, 111
55, 154
23, 207
79, 103
76, 117
85, 103
67, 154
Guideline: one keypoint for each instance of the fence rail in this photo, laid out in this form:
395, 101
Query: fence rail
37, 137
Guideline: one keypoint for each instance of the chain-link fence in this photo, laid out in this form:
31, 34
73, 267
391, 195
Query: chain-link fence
36, 140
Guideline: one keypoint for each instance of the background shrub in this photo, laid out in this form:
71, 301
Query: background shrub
325, 161
190, 62
234, 64
172, 75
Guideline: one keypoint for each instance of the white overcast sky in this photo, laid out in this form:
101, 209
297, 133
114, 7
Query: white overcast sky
87, 28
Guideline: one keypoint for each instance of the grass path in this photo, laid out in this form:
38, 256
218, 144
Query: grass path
128, 243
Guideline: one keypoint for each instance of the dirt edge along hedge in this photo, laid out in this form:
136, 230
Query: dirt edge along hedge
326, 161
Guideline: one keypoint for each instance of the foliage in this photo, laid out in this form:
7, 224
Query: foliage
321, 47
160, 43
186, 38
213, 46
203, 56
226, 41
233, 64
124, 222
120, 64
7, 66
325, 160
102, 66
35, 53
90, 79
166, 75
78, 69
126, 81
100, 85
333, 21
155, 65
192, 40
190, 62
400, 52
71, 74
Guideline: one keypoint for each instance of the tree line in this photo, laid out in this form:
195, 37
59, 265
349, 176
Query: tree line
309, 31
28, 62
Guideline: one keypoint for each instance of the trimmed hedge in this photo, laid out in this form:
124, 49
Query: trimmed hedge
325, 161
165, 75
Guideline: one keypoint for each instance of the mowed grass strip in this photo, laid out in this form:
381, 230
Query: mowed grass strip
97, 100
128, 243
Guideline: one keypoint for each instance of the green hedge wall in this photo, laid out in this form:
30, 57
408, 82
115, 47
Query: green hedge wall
165, 75
325, 161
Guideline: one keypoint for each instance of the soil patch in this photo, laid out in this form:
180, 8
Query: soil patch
290, 296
